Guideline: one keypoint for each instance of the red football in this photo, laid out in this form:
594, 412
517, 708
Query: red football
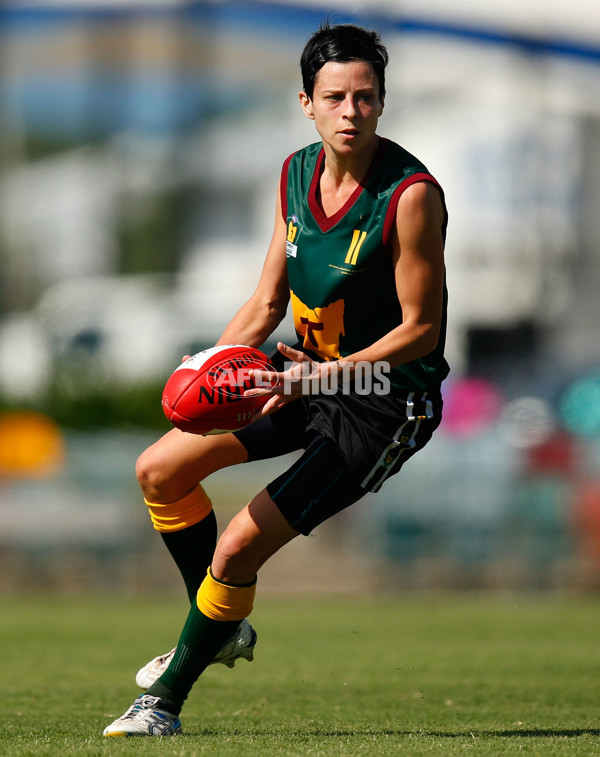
204, 395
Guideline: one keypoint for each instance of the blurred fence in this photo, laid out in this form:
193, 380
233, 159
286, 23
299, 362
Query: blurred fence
471, 511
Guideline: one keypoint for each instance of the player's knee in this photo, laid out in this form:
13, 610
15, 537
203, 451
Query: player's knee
233, 546
237, 557
152, 477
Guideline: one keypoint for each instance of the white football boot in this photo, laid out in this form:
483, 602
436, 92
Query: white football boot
241, 644
145, 717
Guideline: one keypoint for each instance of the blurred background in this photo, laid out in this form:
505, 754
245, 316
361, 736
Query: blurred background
140, 148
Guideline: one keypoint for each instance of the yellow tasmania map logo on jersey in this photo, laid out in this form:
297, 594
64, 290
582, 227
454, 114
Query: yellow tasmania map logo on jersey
293, 232
320, 328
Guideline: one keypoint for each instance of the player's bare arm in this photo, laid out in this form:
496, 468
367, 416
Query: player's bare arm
418, 251
263, 312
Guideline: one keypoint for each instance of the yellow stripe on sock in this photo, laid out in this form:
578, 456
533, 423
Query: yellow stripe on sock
183, 513
220, 601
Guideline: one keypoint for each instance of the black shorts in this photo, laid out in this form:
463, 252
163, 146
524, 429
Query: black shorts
352, 444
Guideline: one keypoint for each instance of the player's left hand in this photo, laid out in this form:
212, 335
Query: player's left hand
286, 386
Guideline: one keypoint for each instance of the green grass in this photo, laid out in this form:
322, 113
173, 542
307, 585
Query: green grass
395, 675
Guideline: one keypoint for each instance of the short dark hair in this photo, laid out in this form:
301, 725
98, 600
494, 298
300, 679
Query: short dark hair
342, 43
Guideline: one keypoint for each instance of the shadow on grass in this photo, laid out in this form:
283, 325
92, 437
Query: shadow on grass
513, 733
459, 734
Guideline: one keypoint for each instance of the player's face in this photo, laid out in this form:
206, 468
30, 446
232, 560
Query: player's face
346, 105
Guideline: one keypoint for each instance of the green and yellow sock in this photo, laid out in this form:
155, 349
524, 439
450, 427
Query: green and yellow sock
188, 528
213, 618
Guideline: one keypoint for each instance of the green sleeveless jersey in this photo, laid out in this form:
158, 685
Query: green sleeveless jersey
340, 268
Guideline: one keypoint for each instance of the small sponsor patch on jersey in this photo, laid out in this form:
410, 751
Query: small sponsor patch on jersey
293, 232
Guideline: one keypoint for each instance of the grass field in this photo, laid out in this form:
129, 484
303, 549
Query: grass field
396, 675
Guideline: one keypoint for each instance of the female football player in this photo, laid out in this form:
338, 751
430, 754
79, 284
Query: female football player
358, 250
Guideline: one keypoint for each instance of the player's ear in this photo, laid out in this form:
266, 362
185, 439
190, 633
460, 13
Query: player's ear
306, 105
382, 101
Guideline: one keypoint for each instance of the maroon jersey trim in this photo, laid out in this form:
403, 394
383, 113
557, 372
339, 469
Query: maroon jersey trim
390, 215
283, 186
324, 222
